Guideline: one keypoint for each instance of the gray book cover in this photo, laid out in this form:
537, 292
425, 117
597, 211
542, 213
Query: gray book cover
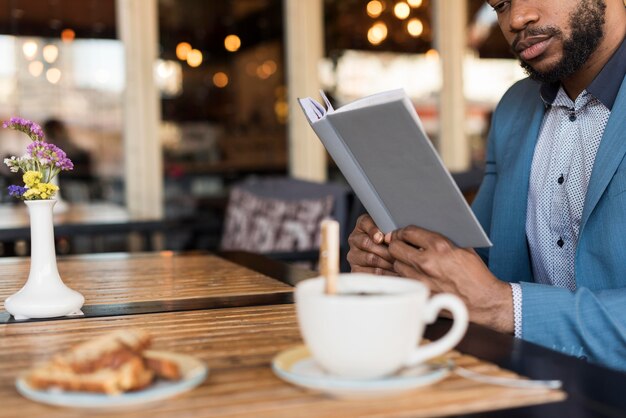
380, 146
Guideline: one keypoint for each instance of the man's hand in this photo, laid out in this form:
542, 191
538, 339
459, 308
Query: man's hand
368, 251
444, 267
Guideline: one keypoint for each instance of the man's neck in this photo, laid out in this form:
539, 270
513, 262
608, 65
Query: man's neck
615, 32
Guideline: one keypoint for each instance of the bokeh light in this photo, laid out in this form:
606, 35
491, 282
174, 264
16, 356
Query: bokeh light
35, 68
182, 50
220, 79
68, 35
53, 75
377, 33
50, 53
401, 10
432, 54
415, 27
374, 8
30, 49
232, 43
194, 58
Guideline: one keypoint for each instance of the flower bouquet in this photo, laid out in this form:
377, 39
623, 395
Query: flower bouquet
41, 163
44, 295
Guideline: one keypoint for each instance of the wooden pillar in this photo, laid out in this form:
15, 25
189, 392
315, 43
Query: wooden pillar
450, 41
138, 29
304, 39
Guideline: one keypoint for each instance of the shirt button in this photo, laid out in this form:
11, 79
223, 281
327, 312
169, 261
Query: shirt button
561, 179
560, 242
572, 117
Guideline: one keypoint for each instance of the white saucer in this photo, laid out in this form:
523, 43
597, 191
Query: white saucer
193, 371
296, 366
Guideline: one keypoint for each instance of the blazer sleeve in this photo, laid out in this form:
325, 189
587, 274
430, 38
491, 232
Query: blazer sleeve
588, 324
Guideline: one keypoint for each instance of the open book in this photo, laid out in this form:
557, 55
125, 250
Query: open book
380, 146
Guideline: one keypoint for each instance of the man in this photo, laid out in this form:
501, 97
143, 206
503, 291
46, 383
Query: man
553, 199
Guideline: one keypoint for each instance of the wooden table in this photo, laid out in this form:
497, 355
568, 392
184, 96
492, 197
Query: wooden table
235, 313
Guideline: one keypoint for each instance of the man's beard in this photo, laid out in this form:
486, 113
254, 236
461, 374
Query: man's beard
587, 27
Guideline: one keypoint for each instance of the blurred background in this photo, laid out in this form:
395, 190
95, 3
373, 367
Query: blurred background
166, 106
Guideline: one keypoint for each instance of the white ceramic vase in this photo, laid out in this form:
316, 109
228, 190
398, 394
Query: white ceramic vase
61, 206
44, 295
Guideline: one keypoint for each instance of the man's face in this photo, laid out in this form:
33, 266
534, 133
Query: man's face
552, 38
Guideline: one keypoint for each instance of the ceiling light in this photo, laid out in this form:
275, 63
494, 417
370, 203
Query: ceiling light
232, 43
53, 75
29, 48
377, 33
374, 8
68, 35
50, 53
415, 27
182, 49
194, 58
35, 68
432, 54
401, 10
220, 79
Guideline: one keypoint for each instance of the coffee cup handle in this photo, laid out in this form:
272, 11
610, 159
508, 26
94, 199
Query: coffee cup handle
459, 325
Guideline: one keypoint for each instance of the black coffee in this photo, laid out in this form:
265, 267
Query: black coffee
362, 294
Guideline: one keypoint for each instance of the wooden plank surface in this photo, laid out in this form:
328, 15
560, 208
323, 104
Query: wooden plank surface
126, 278
238, 345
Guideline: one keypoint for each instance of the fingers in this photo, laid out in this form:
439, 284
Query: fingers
410, 271
406, 253
368, 238
366, 224
374, 257
422, 238
368, 252
371, 270
362, 243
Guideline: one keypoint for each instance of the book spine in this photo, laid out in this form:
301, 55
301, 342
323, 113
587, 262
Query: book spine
353, 173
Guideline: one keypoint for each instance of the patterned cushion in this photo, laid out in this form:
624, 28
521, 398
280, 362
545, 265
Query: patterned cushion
261, 224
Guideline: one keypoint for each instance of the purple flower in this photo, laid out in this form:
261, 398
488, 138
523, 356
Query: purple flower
42, 159
30, 128
16, 191
49, 154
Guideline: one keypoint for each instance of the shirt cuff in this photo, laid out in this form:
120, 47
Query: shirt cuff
517, 308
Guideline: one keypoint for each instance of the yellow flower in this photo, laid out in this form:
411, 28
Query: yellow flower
46, 190
31, 194
40, 191
31, 178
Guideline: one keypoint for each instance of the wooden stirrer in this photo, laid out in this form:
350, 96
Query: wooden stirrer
329, 254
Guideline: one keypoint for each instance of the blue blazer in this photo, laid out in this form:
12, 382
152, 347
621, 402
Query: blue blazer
590, 322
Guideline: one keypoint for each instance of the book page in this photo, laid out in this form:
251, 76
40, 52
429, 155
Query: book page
373, 100
329, 106
312, 109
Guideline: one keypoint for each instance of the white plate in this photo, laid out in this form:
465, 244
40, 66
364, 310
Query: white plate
296, 366
193, 371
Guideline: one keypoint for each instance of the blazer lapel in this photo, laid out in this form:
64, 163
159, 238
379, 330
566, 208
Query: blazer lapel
610, 154
512, 259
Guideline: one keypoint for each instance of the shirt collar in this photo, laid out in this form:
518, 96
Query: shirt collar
606, 84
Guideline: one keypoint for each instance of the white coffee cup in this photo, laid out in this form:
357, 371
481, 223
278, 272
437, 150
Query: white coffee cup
372, 327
